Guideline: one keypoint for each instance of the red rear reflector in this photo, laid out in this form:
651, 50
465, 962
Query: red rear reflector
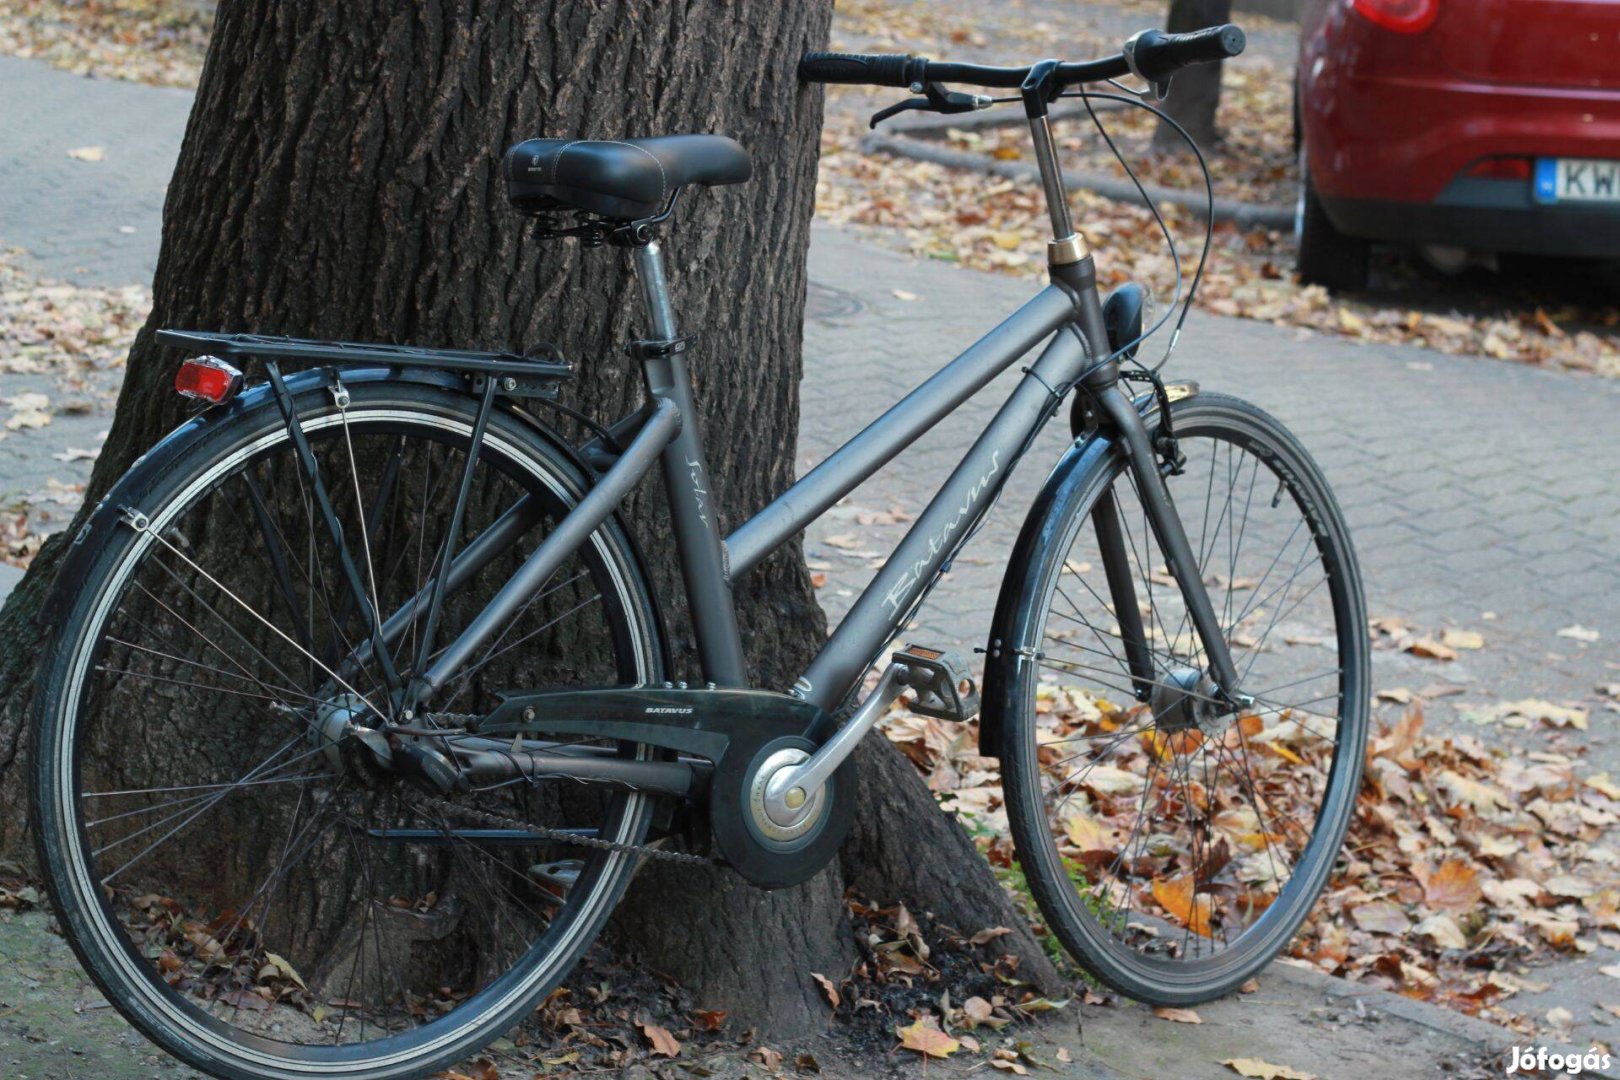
207, 378
1500, 168
1401, 16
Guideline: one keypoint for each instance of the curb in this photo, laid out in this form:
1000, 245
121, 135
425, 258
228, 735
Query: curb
1493, 1037
1247, 215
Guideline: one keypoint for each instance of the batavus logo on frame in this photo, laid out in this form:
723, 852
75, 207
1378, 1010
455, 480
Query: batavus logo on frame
1539, 1059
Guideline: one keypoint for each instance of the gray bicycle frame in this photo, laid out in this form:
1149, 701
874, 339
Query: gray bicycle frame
1068, 312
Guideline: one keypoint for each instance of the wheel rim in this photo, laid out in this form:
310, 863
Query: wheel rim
1191, 837
363, 996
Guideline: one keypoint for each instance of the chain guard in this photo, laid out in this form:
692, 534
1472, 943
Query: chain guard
733, 728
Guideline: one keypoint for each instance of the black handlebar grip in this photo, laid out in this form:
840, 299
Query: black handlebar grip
856, 68
1157, 56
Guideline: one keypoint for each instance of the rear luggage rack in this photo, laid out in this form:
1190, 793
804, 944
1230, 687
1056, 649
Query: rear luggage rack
546, 365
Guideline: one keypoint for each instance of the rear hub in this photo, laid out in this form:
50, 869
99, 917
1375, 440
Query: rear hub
349, 746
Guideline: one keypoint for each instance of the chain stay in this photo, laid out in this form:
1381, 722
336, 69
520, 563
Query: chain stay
485, 817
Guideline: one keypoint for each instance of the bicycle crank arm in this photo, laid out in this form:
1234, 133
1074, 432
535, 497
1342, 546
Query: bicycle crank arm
790, 789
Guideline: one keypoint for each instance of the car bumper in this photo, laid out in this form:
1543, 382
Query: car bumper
1483, 215
1406, 138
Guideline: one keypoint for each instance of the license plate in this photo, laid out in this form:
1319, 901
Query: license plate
1579, 180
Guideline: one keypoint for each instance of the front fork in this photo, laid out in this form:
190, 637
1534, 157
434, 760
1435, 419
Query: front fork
1122, 417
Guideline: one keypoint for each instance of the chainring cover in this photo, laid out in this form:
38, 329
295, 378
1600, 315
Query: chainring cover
773, 858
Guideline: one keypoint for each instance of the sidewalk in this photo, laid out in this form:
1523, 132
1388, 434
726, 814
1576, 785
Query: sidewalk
54, 1025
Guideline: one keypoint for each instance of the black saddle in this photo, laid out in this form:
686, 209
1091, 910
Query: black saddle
623, 180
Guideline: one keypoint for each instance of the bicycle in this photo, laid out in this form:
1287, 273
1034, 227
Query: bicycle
415, 608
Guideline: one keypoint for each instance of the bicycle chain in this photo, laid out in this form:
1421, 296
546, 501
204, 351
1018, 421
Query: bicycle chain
486, 817
489, 817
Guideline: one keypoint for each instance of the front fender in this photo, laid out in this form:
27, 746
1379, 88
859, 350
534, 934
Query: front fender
1089, 452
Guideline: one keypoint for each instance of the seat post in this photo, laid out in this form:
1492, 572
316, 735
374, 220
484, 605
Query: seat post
649, 262
686, 482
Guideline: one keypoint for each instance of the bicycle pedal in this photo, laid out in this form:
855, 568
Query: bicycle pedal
944, 685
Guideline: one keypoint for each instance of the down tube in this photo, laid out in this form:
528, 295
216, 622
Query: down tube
967, 494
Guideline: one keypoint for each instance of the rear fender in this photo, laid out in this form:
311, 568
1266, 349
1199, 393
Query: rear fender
81, 552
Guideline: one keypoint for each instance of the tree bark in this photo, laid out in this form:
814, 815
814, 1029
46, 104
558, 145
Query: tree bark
340, 178
1195, 93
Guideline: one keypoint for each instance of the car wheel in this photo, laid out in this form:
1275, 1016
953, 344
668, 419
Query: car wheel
1327, 257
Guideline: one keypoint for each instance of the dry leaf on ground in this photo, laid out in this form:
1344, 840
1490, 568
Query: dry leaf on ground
1179, 1016
663, 1043
1264, 1070
925, 1037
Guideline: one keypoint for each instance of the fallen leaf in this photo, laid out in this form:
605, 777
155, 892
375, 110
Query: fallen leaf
28, 418
899, 294
1178, 898
1444, 931
1579, 633
1454, 886
709, 1019
87, 153
245, 999
976, 1010
1431, 649
1264, 1070
663, 1043
1381, 917
1179, 1016
284, 969
925, 1038
1603, 785
833, 997
1462, 639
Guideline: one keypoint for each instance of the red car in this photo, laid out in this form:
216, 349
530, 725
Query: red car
1459, 126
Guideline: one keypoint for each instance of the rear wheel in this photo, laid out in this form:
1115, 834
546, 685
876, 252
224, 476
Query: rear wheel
1173, 845
239, 876
1327, 257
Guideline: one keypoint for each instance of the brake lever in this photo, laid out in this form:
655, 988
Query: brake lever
938, 99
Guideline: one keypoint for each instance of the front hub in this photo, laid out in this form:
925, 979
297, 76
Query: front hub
1185, 700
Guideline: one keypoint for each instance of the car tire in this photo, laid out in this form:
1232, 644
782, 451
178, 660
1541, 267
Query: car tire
1327, 257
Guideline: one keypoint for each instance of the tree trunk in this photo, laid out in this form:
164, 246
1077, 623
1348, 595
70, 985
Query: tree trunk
1195, 93
339, 178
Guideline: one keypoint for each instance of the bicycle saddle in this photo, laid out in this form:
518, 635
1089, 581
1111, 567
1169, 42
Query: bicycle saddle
623, 180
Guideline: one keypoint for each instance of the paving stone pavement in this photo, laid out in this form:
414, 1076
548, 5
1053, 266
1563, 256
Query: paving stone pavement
68, 214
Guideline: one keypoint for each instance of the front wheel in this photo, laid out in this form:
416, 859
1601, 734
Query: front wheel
1175, 845
230, 858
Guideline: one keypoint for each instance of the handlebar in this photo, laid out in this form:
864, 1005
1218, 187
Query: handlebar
1151, 54
1156, 56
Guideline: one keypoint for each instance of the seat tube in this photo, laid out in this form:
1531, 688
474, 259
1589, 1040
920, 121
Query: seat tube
687, 485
